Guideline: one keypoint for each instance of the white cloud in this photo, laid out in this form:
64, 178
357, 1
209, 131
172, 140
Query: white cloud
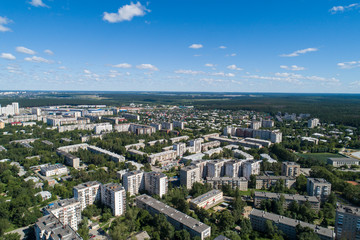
37, 59
147, 66
192, 72
356, 83
4, 21
7, 56
209, 65
126, 13
38, 3
298, 52
87, 71
25, 50
292, 67
231, 55
222, 47
234, 67
47, 51
196, 46
122, 65
62, 67
223, 74
348, 65
337, 9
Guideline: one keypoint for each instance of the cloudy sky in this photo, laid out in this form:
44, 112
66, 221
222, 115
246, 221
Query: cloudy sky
181, 45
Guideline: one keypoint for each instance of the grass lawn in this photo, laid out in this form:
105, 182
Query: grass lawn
319, 156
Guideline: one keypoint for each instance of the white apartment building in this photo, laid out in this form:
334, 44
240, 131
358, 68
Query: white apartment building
134, 182
114, 196
87, 193
196, 144
233, 168
162, 157
180, 148
251, 168
215, 168
68, 211
314, 122
156, 183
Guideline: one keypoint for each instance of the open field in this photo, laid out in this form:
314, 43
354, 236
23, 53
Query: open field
319, 156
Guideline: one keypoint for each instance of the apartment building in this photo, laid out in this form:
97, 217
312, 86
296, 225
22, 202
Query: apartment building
68, 211
347, 222
215, 168
265, 182
251, 168
286, 225
196, 145
262, 142
178, 219
55, 169
314, 122
289, 198
338, 162
114, 196
190, 175
50, 228
234, 182
233, 168
162, 158
179, 139
156, 183
134, 182
268, 123
290, 169
255, 124
87, 193
70, 159
242, 155
167, 126
207, 200
180, 148
318, 187
179, 124
208, 145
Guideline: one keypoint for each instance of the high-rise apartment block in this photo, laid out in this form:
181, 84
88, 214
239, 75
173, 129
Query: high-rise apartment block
267, 123
189, 175
180, 148
318, 187
87, 193
347, 222
290, 169
68, 211
196, 145
114, 196
156, 183
134, 182
251, 168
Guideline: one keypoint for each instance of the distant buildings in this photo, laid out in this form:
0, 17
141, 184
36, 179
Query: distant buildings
11, 109
314, 122
207, 200
318, 187
234, 182
114, 196
338, 162
178, 219
290, 169
286, 225
347, 222
265, 182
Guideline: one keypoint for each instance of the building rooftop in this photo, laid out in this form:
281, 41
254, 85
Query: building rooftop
274, 178
348, 210
52, 167
318, 180
290, 163
205, 196
61, 204
173, 213
50, 223
292, 222
343, 159
114, 187
86, 185
290, 197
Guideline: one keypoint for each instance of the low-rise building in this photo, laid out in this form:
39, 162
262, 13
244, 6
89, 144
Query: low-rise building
338, 162
318, 187
265, 182
290, 169
178, 219
56, 169
162, 157
289, 198
286, 225
234, 182
207, 200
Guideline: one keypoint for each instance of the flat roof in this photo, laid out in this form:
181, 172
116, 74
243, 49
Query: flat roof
170, 212
348, 210
86, 185
293, 197
205, 196
291, 222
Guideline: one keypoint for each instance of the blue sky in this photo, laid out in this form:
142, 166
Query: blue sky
181, 45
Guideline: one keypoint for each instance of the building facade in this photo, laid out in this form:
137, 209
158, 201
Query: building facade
87, 193
114, 196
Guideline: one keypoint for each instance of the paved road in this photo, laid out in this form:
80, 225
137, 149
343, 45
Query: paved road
22, 231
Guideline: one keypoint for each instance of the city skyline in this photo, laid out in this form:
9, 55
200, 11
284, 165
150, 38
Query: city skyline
210, 46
